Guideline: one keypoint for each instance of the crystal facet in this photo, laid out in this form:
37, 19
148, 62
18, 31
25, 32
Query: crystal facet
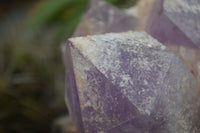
128, 82
102, 17
176, 22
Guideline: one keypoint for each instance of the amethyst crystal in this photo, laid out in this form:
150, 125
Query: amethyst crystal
102, 17
176, 22
129, 83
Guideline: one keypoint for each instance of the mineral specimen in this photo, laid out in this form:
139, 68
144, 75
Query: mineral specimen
102, 17
176, 22
129, 83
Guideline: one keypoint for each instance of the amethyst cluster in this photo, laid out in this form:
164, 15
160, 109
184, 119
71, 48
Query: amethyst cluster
176, 22
128, 82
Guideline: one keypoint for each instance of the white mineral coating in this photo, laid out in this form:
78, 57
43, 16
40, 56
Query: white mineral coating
129, 82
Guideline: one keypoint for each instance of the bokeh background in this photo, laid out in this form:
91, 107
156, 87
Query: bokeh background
31, 67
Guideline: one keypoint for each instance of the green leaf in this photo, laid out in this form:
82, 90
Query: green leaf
70, 19
123, 3
47, 10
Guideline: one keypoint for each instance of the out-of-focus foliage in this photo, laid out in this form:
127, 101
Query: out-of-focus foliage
31, 70
63, 13
31, 77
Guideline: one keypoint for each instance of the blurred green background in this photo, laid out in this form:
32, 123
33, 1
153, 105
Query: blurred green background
31, 67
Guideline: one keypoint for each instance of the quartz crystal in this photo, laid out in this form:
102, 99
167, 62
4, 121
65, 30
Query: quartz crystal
129, 83
102, 17
176, 22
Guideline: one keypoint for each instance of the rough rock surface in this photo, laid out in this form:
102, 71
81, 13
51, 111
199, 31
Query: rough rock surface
176, 22
102, 17
129, 82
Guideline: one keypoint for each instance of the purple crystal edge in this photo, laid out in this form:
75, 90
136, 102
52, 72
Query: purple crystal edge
71, 94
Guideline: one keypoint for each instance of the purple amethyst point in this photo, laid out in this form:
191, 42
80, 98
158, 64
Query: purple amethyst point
176, 22
129, 82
